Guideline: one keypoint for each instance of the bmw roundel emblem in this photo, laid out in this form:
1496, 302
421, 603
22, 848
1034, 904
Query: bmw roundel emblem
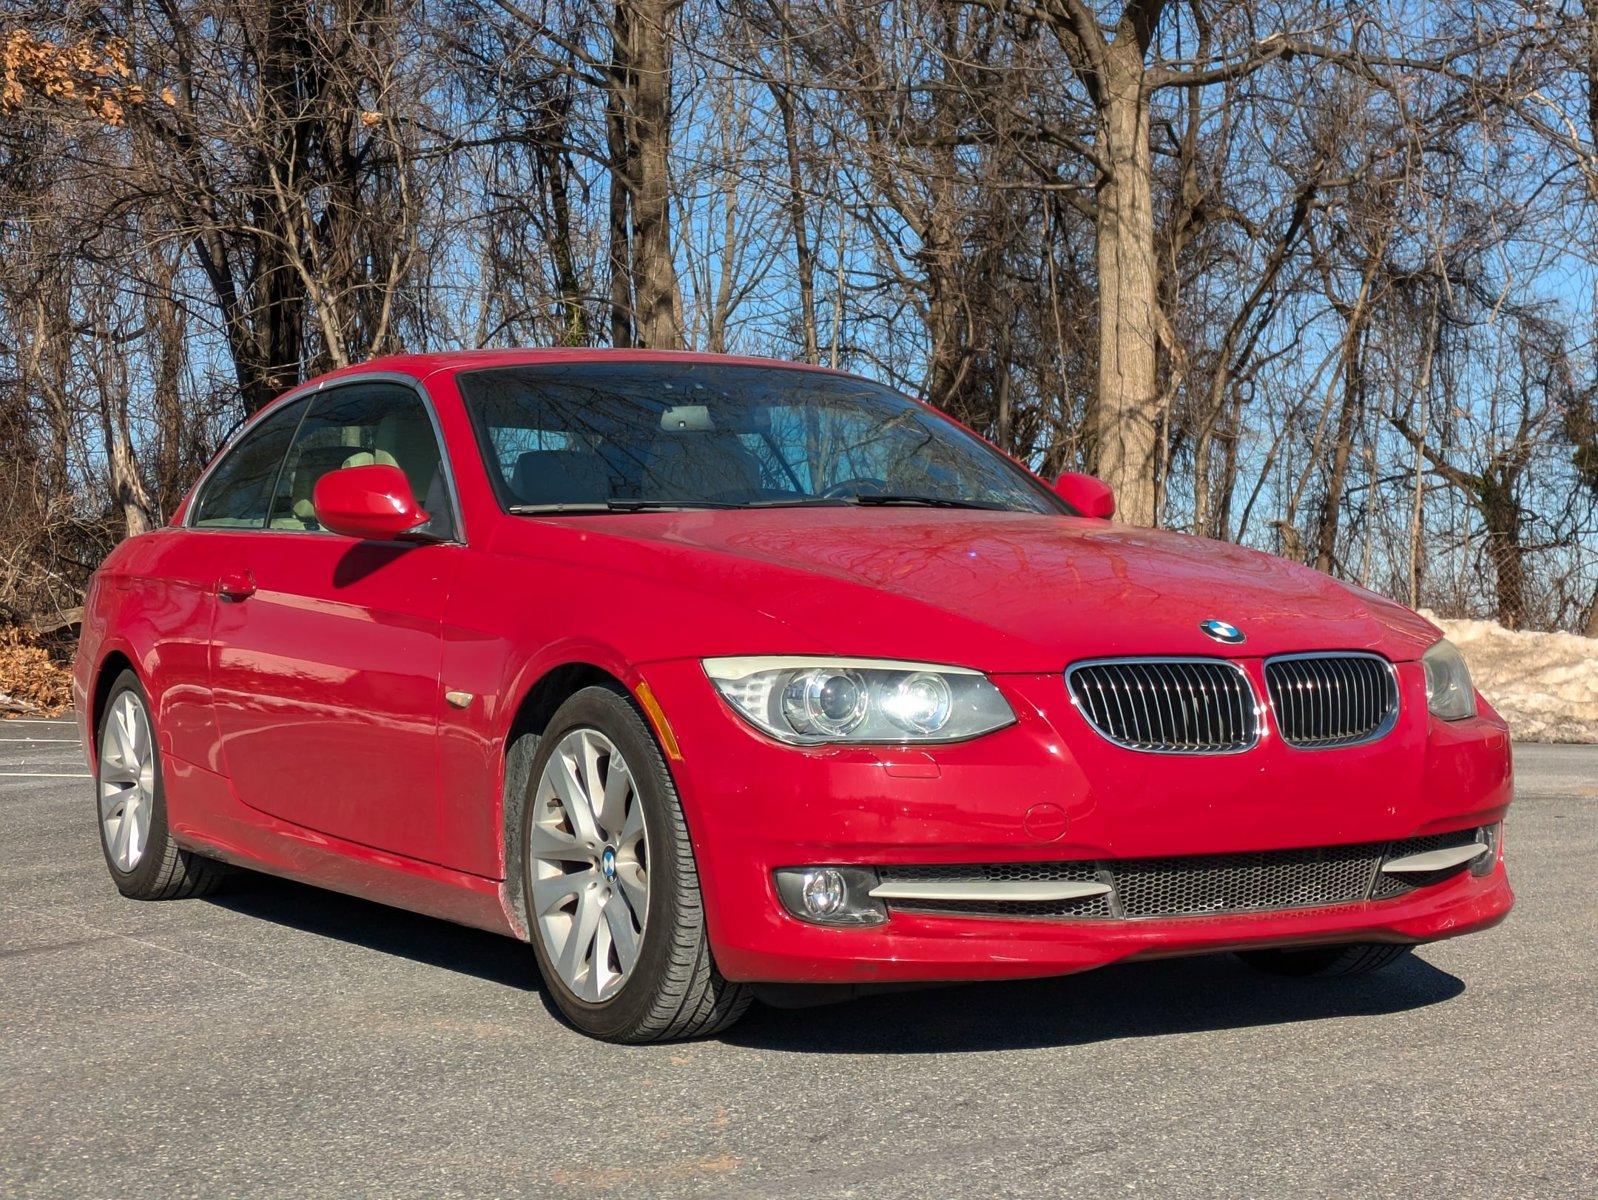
1222, 632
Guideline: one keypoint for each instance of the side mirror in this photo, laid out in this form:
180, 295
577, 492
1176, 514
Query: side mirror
1090, 496
374, 503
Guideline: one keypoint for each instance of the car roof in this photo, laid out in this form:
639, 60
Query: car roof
421, 366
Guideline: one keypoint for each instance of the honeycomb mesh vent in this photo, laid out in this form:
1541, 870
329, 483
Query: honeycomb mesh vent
1221, 883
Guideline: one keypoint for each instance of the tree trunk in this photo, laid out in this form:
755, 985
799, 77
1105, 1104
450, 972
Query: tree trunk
1501, 514
619, 143
1004, 430
1342, 446
574, 320
798, 218
1128, 399
128, 492
655, 296
276, 292
138, 511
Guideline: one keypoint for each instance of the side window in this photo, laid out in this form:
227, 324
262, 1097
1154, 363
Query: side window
356, 426
239, 491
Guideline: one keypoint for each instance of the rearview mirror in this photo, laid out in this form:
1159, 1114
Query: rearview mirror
374, 503
1090, 496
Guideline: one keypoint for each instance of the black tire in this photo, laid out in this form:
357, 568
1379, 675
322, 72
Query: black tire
674, 990
1326, 962
164, 871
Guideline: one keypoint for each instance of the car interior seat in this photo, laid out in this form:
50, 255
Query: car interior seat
560, 477
700, 465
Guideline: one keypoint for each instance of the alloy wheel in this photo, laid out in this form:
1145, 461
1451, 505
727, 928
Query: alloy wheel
588, 854
127, 781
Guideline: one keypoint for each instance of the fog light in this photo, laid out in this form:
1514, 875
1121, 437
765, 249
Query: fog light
831, 895
1484, 864
823, 892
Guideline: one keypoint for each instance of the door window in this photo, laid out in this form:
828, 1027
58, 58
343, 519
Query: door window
356, 426
238, 493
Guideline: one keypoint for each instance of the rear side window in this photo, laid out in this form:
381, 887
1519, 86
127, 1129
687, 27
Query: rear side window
360, 425
238, 494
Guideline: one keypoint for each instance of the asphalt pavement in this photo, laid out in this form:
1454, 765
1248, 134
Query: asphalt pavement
281, 1041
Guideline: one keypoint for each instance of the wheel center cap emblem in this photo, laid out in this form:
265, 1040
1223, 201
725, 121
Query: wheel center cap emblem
607, 863
1222, 632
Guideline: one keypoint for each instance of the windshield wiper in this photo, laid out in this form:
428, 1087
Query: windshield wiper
565, 507
886, 499
801, 502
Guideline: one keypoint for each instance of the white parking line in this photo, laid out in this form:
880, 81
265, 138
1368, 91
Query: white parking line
45, 775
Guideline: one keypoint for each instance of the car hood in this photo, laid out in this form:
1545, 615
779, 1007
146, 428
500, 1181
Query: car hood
1004, 591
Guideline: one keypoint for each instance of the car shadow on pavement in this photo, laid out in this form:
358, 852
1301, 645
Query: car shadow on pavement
1171, 996
421, 939
1149, 999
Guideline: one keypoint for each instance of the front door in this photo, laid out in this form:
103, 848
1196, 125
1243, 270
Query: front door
326, 649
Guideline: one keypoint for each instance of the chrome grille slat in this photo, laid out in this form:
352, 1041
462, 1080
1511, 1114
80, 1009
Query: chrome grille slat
1324, 701
1347, 685
1170, 705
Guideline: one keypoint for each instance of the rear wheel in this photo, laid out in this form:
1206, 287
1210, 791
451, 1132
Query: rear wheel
612, 891
1325, 962
145, 863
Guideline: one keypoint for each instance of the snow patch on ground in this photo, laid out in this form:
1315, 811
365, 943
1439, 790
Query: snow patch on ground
1544, 684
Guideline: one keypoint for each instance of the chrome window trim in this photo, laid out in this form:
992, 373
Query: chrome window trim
1147, 659
1375, 735
312, 389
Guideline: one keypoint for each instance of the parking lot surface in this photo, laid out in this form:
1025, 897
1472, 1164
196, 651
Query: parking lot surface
278, 1040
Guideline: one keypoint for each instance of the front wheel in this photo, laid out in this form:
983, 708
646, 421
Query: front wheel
611, 888
1325, 962
145, 863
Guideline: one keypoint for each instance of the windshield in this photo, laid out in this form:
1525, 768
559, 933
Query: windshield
630, 436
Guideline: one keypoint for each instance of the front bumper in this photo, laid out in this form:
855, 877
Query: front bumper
1050, 789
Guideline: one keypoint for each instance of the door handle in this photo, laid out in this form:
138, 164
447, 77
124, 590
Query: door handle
236, 586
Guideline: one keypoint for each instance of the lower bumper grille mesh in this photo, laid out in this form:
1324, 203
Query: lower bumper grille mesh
1196, 885
1160, 887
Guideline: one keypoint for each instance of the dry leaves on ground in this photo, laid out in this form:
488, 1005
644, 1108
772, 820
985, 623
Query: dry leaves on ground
31, 682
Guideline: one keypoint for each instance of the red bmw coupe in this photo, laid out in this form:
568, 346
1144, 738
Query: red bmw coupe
707, 675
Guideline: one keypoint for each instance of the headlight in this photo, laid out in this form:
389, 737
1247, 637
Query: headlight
1449, 693
809, 701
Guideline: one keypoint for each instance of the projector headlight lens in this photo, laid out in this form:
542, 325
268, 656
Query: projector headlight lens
825, 703
1449, 693
813, 701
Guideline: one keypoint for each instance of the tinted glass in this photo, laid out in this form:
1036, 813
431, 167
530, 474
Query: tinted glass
592, 433
359, 425
239, 491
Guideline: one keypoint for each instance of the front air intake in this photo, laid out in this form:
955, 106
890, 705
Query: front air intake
1167, 705
1323, 701
1202, 885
